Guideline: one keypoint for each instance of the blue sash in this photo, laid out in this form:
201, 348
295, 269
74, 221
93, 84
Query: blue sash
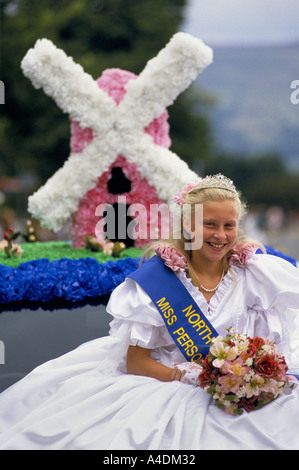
186, 323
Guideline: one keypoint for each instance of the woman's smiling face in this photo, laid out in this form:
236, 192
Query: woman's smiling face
219, 227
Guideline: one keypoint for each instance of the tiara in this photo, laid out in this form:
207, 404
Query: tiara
218, 181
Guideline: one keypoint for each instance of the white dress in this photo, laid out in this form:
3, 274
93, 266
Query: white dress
86, 400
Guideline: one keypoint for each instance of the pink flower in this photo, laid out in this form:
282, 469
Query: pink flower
281, 369
236, 367
230, 383
172, 258
240, 254
179, 198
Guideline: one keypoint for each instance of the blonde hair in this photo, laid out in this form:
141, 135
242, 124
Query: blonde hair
199, 196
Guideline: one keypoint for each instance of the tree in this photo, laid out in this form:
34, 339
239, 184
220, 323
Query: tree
98, 34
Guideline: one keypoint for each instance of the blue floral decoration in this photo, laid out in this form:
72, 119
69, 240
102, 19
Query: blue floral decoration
63, 281
69, 283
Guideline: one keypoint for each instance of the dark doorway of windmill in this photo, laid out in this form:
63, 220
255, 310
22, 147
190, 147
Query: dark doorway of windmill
120, 184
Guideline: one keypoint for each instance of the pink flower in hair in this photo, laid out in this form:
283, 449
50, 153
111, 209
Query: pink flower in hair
179, 198
240, 254
172, 258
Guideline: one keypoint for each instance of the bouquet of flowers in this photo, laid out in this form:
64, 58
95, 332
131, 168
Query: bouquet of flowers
243, 373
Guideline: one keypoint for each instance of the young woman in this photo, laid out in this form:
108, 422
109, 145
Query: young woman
137, 389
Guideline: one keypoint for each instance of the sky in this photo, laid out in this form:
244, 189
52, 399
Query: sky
243, 22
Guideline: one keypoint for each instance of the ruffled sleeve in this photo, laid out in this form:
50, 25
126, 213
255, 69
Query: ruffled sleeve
134, 311
272, 298
271, 281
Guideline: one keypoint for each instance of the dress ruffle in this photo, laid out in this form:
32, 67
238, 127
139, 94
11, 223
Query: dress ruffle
208, 309
130, 303
271, 281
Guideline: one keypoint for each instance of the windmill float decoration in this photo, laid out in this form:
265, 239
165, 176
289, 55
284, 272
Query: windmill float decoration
119, 134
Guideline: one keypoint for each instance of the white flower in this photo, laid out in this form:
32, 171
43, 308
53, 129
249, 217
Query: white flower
249, 362
222, 353
267, 348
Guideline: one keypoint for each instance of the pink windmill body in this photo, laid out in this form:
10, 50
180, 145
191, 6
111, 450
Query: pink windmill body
128, 181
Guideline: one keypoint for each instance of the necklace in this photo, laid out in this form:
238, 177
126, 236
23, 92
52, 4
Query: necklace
215, 288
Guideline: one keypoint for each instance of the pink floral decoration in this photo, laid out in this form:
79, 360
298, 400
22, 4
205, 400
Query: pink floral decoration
240, 254
113, 82
172, 258
179, 198
159, 130
80, 138
84, 221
